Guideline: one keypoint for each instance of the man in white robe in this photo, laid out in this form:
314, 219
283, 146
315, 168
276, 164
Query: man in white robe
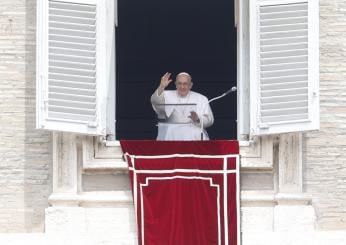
182, 113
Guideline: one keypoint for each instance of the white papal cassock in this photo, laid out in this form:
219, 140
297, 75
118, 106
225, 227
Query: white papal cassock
173, 113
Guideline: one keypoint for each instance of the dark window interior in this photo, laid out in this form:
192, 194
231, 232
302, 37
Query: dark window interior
156, 36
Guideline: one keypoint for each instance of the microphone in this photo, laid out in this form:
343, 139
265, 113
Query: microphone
231, 90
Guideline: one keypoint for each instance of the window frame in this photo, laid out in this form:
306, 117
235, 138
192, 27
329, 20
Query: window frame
107, 109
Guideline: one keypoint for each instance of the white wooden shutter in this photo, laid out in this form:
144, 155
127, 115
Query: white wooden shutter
74, 39
284, 66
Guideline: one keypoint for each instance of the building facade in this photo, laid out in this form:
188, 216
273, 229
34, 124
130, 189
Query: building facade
71, 184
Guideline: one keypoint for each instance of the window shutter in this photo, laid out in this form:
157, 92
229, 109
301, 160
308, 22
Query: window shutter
284, 65
73, 64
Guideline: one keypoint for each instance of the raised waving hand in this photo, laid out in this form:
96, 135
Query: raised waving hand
165, 81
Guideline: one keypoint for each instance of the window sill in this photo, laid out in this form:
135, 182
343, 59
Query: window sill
116, 143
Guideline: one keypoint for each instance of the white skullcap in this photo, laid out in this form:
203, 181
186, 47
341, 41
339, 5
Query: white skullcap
184, 74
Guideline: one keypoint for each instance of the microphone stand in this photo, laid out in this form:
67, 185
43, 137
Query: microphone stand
233, 89
202, 127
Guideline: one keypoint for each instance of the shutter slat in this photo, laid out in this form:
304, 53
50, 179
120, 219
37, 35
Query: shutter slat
64, 77
282, 66
70, 117
70, 26
292, 78
72, 59
74, 97
284, 34
280, 98
291, 59
72, 13
286, 47
74, 20
284, 111
300, 84
75, 104
68, 64
278, 22
78, 35
285, 8
286, 104
282, 92
72, 6
67, 44
282, 15
285, 118
72, 91
288, 27
72, 84
278, 54
72, 71
90, 55
286, 40
71, 110
282, 73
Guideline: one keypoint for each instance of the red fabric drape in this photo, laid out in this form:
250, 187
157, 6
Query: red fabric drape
208, 147
185, 199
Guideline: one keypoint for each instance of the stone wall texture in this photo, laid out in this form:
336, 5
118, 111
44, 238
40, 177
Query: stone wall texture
325, 151
25, 153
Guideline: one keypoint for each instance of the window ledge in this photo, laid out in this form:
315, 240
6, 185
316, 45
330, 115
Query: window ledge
245, 143
115, 143
112, 143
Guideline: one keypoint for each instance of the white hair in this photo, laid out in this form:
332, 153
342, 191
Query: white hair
184, 74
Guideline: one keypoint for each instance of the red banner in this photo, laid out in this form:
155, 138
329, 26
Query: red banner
185, 192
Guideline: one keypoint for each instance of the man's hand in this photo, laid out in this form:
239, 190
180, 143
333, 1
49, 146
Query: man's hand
165, 81
194, 117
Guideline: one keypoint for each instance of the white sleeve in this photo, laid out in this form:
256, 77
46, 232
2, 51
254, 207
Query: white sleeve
206, 115
156, 101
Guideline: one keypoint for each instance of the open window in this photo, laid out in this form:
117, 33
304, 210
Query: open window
277, 89
194, 36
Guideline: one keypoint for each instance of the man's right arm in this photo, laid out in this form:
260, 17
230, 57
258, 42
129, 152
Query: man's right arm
157, 97
165, 81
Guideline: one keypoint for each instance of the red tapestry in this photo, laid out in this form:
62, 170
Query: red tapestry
185, 192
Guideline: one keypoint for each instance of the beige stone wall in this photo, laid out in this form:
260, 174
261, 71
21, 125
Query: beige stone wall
25, 153
325, 151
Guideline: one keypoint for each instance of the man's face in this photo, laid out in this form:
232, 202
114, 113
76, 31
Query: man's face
183, 84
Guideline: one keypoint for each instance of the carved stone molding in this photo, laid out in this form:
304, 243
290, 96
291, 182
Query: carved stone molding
258, 154
290, 163
98, 156
66, 168
106, 151
65, 163
270, 198
92, 199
